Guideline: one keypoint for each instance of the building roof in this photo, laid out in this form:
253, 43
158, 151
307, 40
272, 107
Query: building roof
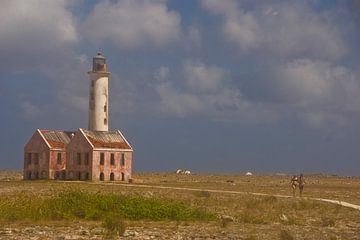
57, 138
110, 139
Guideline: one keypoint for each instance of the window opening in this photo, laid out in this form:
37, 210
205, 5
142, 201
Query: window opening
102, 158
59, 158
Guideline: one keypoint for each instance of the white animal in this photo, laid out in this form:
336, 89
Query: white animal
179, 171
248, 174
187, 172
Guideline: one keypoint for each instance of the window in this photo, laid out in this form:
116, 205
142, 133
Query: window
36, 158
105, 121
87, 158
71, 175
59, 158
102, 158
79, 158
29, 158
112, 177
105, 108
43, 174
101, 176
112, 159
122, 163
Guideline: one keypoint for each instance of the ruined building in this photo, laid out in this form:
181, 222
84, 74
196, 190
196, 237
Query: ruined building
87, 154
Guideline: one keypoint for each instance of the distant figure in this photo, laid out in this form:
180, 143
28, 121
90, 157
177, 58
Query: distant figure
301, 181
298, 181
183, 172
294, 183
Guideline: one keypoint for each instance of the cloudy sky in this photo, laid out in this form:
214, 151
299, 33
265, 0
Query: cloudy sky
212, 86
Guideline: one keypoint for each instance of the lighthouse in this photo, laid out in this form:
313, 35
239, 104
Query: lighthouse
99, 95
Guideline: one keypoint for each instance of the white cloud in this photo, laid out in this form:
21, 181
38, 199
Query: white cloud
202, 78
290, 29
319, 91
205, 91
239, 27
34, 29
130, 24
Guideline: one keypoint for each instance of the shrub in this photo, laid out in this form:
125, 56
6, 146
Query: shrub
327, 222
114, 225
285, 235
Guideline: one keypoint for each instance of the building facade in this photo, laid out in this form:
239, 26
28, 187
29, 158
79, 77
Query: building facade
88, 154
45, 154
95, 155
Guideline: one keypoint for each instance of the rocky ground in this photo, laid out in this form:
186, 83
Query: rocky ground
175, 231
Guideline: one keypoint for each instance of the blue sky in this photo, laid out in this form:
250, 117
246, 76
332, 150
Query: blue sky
212, 86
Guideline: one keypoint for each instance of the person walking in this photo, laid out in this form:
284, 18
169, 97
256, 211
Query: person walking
294, 184
301, 182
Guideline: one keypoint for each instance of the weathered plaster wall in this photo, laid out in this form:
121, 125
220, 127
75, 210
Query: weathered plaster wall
99, 102
107, 168
37, 169
78, 144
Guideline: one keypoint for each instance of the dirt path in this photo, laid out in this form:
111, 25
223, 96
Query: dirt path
342, 203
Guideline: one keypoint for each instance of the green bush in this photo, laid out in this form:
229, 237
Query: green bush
72, 204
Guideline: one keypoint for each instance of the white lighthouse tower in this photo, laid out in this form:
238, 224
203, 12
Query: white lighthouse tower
99, 95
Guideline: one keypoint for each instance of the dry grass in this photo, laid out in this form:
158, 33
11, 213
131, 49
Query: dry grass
255, 217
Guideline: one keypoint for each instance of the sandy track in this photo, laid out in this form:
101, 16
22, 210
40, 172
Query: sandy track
337, 202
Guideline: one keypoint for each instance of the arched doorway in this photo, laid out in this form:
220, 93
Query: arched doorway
112, 177
122, 176
57, 175
101, 176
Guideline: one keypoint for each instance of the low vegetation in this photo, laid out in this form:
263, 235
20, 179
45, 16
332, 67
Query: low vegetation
77, 204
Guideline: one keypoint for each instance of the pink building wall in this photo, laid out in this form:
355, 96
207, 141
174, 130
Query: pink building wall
117, 169
78, 144
48, 166
36, 168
